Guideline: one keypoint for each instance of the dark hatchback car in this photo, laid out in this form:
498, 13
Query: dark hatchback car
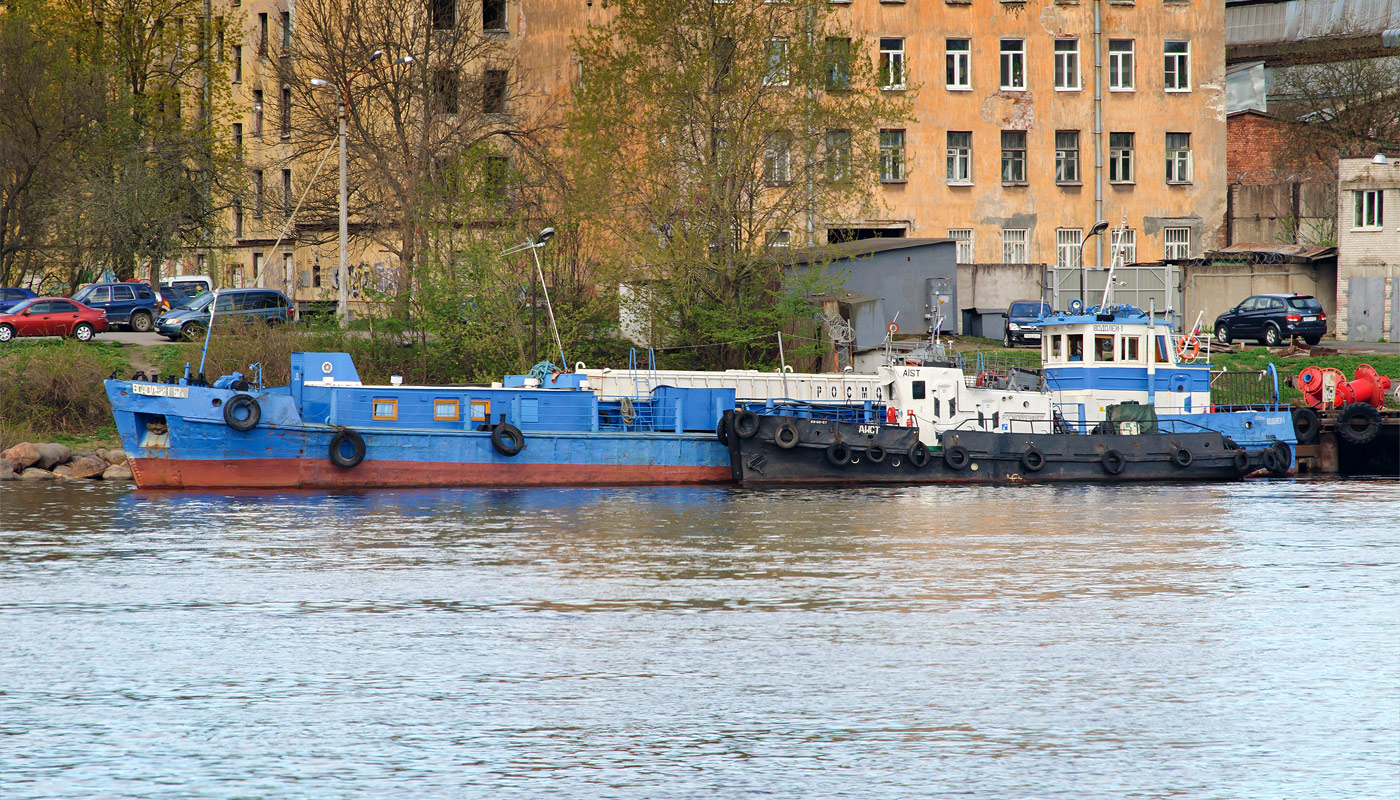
10, 295
1273, 319
246, 305
1019, 316
131, 305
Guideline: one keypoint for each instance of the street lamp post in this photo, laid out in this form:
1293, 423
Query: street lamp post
1099, 227
342, 300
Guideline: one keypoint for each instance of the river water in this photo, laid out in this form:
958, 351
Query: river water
1234, 641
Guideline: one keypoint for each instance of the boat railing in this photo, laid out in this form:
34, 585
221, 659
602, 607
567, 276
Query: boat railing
1069, 426
832, 412
1245, 390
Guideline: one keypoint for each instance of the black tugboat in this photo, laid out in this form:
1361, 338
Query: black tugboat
778, 449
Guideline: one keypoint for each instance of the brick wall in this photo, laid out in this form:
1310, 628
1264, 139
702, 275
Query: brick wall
1251, 140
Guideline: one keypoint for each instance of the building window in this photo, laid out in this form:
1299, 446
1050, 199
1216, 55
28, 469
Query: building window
1120, 158
257, 112
287, 192
219, 38
384, 409
1013, 246
446, 90
238, 141
1178, 66
493, 16
285, 112
963, 237
446, 410
960, 157
1177, 243
892, 155
262, 35
1125, 242
1178, 158
237, 219
1013, 64
286, 31
777, 159
838, 156
495, 177
775, 57
444, 14
1370, 209
257, 194
777, 238
1013, 156
493, 91
1067, 156
1067, 247
1067, 64
238, 63
838, 64
257, 279
1120, 65
891, 63
959, 63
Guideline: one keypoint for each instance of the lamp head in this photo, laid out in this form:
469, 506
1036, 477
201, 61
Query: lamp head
376, 54
405, 60
320, 84
544, 236
1099, 227
1379, 158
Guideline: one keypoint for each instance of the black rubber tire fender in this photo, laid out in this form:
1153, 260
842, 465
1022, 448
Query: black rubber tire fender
1033, 460
1113, 462
786, 436
237, 403
838, 453
1283, 457
1182, 457
1359, 423
1306, 425
722, 430
1241, 460
876, 453
745, 424
341, 438
507, 439
956, 457
919, 455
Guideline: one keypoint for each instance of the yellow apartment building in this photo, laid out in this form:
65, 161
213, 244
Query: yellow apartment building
1032, 120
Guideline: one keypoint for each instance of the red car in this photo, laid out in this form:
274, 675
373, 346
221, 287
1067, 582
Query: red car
51, 316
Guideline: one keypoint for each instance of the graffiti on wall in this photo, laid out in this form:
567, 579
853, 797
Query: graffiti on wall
366, 278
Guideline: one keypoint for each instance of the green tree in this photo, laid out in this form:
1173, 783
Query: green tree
710, 137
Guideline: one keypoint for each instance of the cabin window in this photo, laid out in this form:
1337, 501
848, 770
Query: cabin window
917, 391
384, 409
1075, 344
937, 407
1057, 346
446, 410
481, 411
1131, 348
1103, 348
1161, 355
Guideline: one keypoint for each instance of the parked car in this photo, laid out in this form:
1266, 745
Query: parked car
52, 316
11, 295
191, 284
246, 305
179, 295
131, 305
1019, 315
1273, 319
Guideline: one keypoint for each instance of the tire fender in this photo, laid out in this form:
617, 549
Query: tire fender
239, 402
338, 456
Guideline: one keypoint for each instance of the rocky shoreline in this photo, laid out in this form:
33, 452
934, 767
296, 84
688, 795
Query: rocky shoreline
28, 461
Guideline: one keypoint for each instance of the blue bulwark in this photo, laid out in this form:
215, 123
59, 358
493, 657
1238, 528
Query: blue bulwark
1167, 378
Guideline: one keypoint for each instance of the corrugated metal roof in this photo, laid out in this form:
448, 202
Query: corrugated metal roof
1253, 22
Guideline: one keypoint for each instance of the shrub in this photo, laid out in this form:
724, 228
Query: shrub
56, 387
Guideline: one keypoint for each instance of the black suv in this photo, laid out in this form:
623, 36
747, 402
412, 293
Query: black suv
1019, 316
1273, 319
